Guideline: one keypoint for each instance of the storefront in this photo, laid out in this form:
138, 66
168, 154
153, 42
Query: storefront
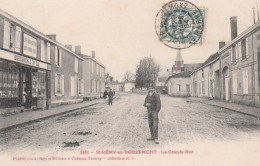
21, 75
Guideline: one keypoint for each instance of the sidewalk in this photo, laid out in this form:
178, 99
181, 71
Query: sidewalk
243, 109
7, 122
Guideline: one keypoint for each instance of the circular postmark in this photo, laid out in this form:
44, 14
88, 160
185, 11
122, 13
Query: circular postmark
179, 24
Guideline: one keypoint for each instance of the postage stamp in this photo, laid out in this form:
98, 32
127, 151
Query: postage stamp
180, 24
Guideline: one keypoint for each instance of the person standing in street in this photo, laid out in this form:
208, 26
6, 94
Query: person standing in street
153, 104
110, 97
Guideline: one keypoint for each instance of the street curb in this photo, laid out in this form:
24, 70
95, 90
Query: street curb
43, 118
244, 113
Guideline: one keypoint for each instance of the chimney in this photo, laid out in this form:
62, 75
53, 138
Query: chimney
69, 47
233, 23
52, 36
221, 44
93, 54
78, 50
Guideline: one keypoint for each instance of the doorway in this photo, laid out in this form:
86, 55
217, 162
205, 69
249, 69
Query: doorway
26, 86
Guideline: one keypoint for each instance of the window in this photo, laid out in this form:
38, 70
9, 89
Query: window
48, 58
244, 47
57, 56
9, 79
39, 83
234, 83
76, 65
202, 73
188, 88
245, 82
59, 84
12, 37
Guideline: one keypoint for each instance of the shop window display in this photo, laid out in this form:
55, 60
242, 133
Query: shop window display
9, 77
39, 84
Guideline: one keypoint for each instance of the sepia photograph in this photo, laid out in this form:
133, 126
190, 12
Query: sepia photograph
130, 82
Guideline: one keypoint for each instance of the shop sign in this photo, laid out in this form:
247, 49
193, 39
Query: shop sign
21, 59
29, 46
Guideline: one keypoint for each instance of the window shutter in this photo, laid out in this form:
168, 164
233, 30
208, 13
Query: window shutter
239, 51
247, 47
56, 55
48, 52
43, 50
56, 84
71, 86
245, 82
6, 34
82, 87
60, 54
18, 39
235, 83
62, 84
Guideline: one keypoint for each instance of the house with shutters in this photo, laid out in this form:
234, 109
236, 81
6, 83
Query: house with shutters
240, 66
36, 64
66, 78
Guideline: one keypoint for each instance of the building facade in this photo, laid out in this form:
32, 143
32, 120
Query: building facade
94, 77
205, 81
67, 81
24, 64
239, 66
36, 65
179, 84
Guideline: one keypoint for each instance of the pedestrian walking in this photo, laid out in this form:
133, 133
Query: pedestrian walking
110, 97
153, 104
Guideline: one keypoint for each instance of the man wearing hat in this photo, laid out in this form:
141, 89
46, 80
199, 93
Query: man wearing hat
153, 104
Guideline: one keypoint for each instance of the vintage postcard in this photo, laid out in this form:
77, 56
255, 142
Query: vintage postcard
130, 82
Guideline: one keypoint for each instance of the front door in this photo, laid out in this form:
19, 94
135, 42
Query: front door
26, 82
226, 89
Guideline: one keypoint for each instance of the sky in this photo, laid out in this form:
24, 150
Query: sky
121, 32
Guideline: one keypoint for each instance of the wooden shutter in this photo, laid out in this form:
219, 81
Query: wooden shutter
245, 82
18, 39
72, 86
239, 52
247, 47
56, 84
60, 54
6, 34
82, 87
56, 54
62, 84
48, 52
235, 83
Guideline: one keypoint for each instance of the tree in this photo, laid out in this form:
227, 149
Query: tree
128, 76
147, 72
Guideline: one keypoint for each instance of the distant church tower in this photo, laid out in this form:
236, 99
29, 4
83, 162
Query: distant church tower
178, 67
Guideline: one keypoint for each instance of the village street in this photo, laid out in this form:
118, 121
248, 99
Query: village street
124, 126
